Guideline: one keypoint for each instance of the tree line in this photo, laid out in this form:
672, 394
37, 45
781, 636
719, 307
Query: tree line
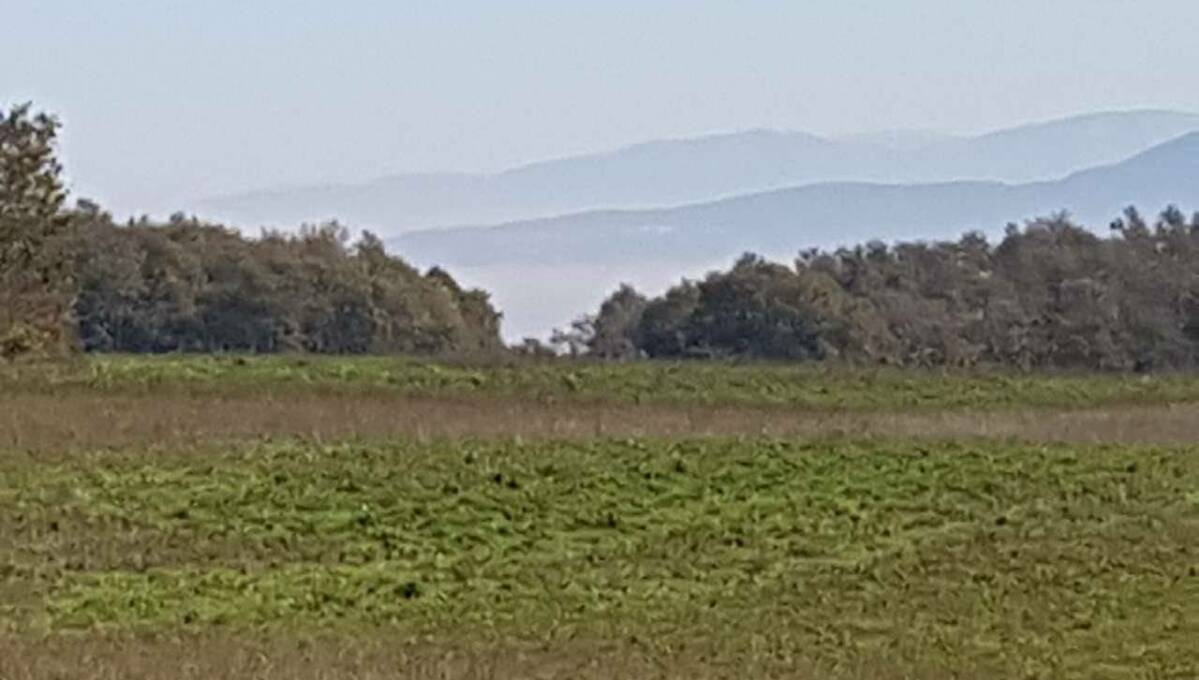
72, 278
1049, 295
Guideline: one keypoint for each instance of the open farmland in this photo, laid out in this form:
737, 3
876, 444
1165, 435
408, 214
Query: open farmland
791, 386
965, 543
120, 401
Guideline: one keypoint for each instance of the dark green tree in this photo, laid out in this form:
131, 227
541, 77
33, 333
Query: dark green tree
35, 279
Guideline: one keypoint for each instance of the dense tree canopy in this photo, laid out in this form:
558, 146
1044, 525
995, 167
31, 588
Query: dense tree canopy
35, 283
191, 286
76, 278
1050, 295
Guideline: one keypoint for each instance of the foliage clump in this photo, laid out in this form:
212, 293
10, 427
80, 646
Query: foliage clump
73, 278
192, 286
35, 285
1052, 295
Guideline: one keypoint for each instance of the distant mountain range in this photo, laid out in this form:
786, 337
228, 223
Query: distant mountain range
556, 237
674, 172
825, 214
545, 271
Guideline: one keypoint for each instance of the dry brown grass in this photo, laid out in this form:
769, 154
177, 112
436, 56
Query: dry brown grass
34, 422
98, 657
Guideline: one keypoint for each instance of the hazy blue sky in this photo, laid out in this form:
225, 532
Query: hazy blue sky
167, 101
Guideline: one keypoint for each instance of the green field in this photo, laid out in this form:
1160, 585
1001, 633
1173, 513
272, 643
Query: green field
653, 556
812, 386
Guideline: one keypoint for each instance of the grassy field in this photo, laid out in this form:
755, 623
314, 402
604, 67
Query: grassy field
954, 541
808, 387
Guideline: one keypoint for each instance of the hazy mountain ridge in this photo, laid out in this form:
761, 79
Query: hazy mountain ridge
692, 170
819, 215
544, 271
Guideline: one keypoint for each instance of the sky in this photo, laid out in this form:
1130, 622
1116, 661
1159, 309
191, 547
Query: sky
166, 102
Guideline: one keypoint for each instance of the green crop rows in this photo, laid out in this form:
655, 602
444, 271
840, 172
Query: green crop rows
999, 559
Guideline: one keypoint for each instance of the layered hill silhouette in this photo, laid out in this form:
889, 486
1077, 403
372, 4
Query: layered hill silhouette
555, 237
545, 272
825, 215
674, 172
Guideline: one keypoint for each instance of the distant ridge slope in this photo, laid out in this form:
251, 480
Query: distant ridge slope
673, 172
826, 214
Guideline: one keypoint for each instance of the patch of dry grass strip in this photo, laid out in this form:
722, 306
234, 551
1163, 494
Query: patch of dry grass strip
100, 657
34, 422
